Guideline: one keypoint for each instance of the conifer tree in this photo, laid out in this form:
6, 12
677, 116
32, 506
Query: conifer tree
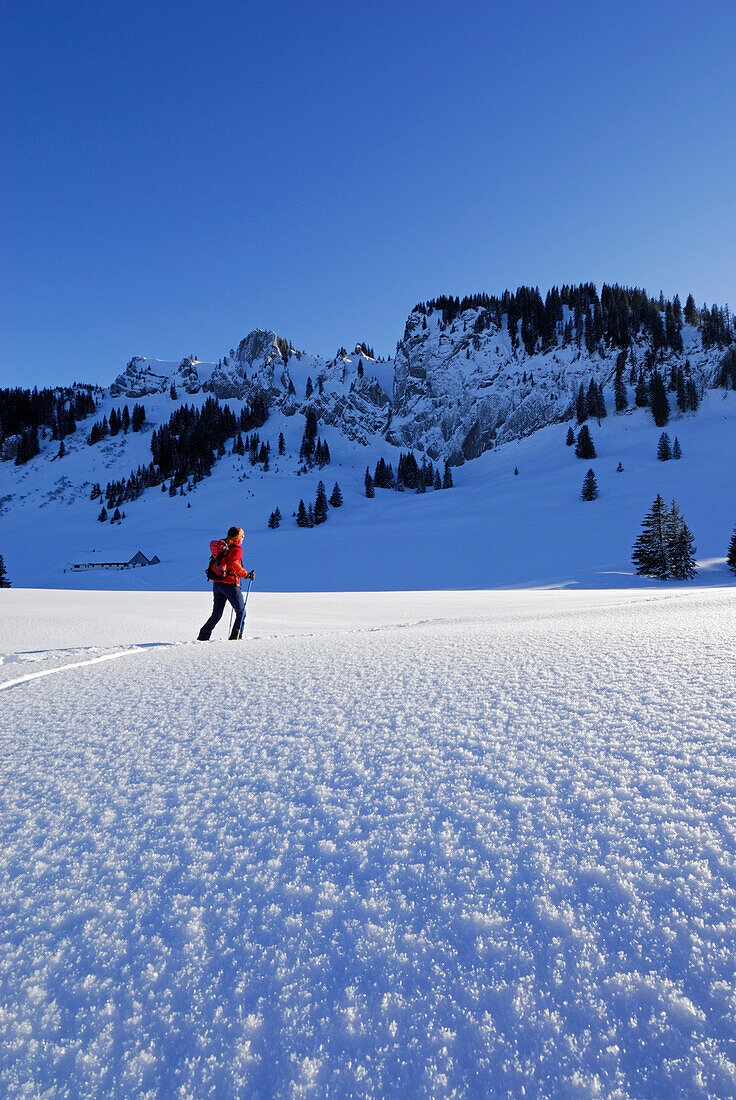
731, 557
680, 546
103, 514
691, 311
447, 482
641, 394
369, 490
658, 400
619, 468
650, 549
595, 401
126, 418
590, 487
665, 547
274, 519
282, 445
680, 389
301, 515
437, 479
664, 451
336, 497
676, 449
584, 447
320, 504
310, 516
570, 437
691, 395
581, 405
4, 582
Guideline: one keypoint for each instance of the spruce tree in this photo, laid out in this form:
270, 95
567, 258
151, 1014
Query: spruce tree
691, 395
4, 582
320, 504
274, 520
664, 451
282, 445
681, 395
619, 468
665, 548
658, 400
369, 490
680, 546
590, 487
584, 447
103, 514
641, 395
301, 515
570, 437
581, 405
731, 557
676, 449
447, 482
336, 497
650, 549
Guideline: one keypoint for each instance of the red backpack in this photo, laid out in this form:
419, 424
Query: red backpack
216, 569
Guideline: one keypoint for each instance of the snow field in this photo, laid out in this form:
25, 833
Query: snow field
488, 848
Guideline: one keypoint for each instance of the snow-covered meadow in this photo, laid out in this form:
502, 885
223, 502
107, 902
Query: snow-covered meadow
391, 845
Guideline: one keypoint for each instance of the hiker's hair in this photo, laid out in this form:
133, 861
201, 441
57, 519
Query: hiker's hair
234, 532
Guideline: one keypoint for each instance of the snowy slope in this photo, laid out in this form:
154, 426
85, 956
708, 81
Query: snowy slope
493, 529
461, 391
429, 844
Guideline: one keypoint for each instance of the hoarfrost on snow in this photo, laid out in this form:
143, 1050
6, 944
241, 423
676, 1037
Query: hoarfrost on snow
449, 844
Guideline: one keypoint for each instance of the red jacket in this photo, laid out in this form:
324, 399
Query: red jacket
232, 563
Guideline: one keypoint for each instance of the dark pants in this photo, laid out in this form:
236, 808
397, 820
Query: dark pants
222, 594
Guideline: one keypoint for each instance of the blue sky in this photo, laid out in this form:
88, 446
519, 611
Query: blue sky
177, 174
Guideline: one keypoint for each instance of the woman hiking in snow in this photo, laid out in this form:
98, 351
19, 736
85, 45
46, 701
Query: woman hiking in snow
225, 570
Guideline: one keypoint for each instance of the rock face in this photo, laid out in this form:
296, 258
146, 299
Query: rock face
460, 388
452, 391
345, 391
141, 377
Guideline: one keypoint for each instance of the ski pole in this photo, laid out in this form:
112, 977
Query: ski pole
245, 602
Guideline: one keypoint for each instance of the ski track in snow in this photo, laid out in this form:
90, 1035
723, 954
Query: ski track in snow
465, 857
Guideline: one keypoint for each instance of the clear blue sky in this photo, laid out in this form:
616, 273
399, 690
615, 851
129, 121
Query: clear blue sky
178, 173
